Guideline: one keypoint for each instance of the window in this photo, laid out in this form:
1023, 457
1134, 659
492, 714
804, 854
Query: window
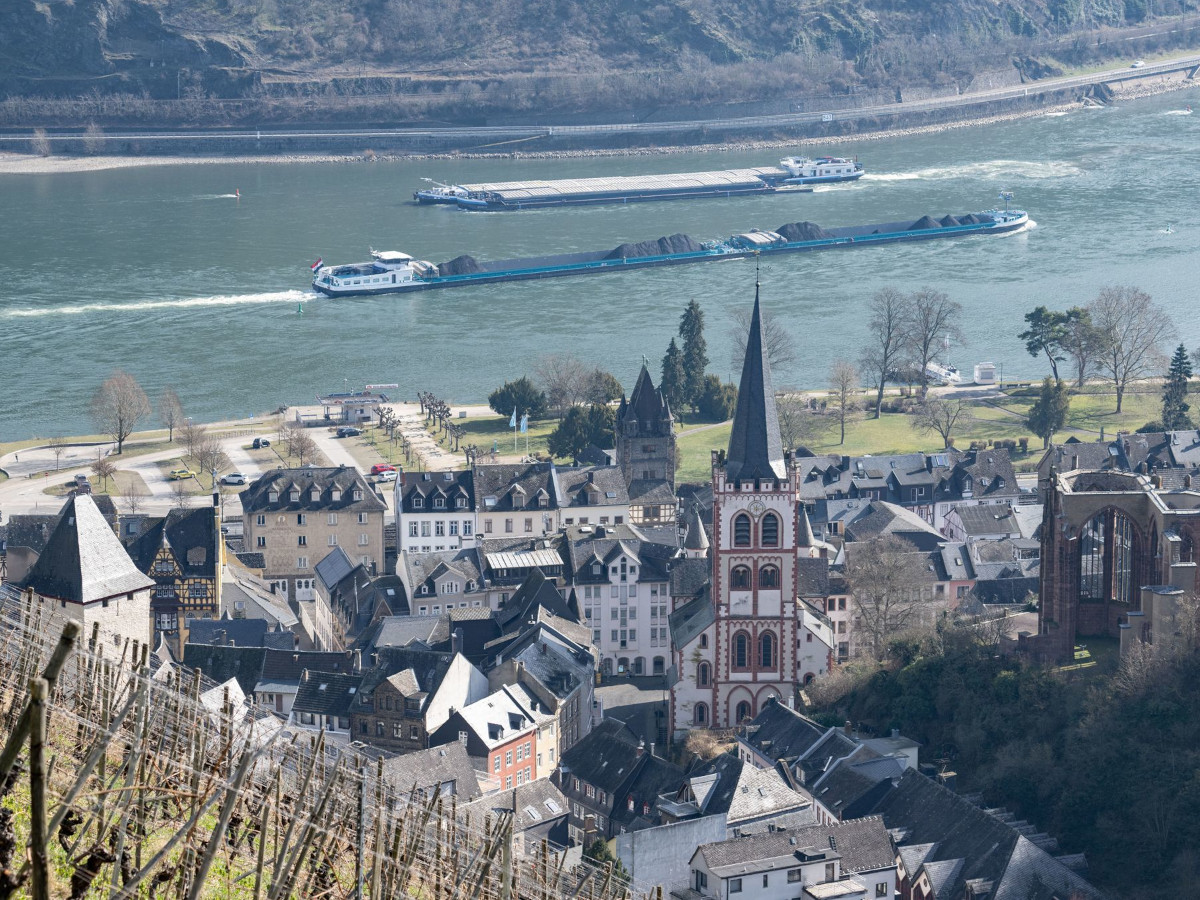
412, 529
704, 642
702, 675
301, 562
331, 519
467, 529
700, 714
765, 876
768, 577
397, 730
261, 542
766, 650
743, 711
333, 540
439, 502
741, 531
508, 526
454, 528
363, 540
302, 540
770, 530
424, 529
739, 579
832, 604
378, 729
741, 650
301, 519
496, 764
735, 885
487, 526
418, 502
462, 737
261, 520
829, 871
881, 889
362, 518
528, 526
701, 881
529, 749
793, 876
508, 783
507, 758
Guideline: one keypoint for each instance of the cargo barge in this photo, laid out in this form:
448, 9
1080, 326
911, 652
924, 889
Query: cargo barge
794, 173
393, 272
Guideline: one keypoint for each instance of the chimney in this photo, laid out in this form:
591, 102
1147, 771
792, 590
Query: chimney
641, 748
1187, 482
456, 641
304, 675
652, 748
216, 498
895, 733
1074, 461
357, 663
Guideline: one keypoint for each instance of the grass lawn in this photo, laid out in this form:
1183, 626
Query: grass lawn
483, 431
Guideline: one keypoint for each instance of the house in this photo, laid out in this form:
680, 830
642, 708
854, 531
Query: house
446, 770
347, 598
991, 522
183, 552
622, 580
435, 511
501, 728
84, 574
229, 632
408, 694
351, 407
515, 500
847, 861
591, 495
442, 580
507, 562
538, 810
323, 702
293, 517
270, 675
1171, 455
244, 595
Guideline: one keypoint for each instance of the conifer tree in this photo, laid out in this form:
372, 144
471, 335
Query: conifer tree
674, 378
1049, 412
1175, 407
695, 352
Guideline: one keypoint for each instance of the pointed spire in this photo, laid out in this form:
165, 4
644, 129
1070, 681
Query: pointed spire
696, 537
755, 446
806, 536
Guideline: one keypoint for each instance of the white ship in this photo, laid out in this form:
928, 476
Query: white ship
943, 374
388, 271
826, 170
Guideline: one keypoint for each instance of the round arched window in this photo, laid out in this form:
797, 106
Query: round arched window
743, 712
770, 530
768, 577
739, 578
766, 651
741, 530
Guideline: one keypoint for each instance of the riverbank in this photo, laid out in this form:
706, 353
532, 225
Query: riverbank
31, 164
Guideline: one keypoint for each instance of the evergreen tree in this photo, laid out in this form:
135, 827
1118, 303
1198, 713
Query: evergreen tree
674, 378
1049, 412
717, 401
521, 395
695, 352
581, 427
1175, 407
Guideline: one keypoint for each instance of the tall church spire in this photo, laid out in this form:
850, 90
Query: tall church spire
755, 447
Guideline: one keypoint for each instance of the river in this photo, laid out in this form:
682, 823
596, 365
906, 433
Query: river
164, 272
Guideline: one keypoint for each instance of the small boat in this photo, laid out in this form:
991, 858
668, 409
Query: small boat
826, 170
945, 374
439, 193
985, 373
388, 271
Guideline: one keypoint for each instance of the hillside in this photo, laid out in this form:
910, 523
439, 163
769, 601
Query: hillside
463, 59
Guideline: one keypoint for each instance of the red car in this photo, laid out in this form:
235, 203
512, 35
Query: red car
382, 467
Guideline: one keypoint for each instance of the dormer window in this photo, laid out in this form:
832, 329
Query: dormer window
357, 494
335, 495
460, 503
418, 502
273, 496
316, 495
439, 502
295, 496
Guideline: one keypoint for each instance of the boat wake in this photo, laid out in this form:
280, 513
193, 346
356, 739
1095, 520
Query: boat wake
1178, 112
996, 169
183, 303
218, 196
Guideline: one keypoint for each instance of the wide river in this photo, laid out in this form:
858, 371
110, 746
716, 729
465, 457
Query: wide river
163, 272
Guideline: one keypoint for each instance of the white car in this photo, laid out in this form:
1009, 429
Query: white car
233, 478
1137, 64
386, 476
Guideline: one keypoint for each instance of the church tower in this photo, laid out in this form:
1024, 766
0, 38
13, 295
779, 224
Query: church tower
755, 550
645, 435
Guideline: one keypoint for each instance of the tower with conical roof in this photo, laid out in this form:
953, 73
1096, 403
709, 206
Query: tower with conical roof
755, 446
645, 435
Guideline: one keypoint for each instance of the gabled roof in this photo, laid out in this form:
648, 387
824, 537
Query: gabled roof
605, 757
326, 694
744, 793
651, 779
583, 486
691, 619
755, 446
651, 492
428, 770
419, 570
690, 576
779, 732
535, 593
83, 562
534, 483
223, 663
992, 519
536, 806
238, 633
428, 485
333, 567
257, 497
191, 535
29, 530
814, 577
883, 518
587, 546
497, 718
863, 845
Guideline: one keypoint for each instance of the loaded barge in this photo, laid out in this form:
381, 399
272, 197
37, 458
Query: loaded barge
794, 173
393, 272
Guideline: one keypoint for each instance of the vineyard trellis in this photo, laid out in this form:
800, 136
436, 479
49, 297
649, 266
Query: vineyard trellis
128, 776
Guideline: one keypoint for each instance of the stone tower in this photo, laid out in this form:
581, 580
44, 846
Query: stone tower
645, 435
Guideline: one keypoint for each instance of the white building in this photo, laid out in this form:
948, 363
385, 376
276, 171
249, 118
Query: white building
435, 511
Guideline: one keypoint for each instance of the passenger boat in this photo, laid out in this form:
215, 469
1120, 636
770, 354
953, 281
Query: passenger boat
389, 271
439, 193
826, 170
944, 374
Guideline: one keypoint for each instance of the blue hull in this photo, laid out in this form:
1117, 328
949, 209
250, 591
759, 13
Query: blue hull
591, 264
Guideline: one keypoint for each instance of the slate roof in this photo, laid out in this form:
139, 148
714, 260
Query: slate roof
419, 570
1080, 455
557, 662
651, 492
333, 567
523, 486
696, 536
755, 446
221, 663
605, 757
283, 665
583, 486
652, 777
191, 535
257, 497
779, 732
814, 577
426, 770
326, 694
864, 845
744, 793
429, 486
83, 561
538, 806
990, 520
30, 530
991, 473
587, 546
401, 631
882, 518
535, 593
428, 667
691, 619
852, 788
646, 406
498, 717
690, 576
237, 633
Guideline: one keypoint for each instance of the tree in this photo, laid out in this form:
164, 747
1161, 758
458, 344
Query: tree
598, 852
718, 401
780, 346
885, 577
93, 138
695, 352
521, 395
1175, 407
1048, 414
674, 378
132, 496
170, 412
941, 417
39, 144
104, 469
932, 319
1046, 333
888, 329
602, 387
193, 434
118, 405
179, 490
581, 427
58, 446
299, 443
1083, 343
799, 424
1133, 329
564, 379
843, 383
212, 458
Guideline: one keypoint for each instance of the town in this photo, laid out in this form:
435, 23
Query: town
636, 672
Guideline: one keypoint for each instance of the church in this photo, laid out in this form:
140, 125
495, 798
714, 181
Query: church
746, 636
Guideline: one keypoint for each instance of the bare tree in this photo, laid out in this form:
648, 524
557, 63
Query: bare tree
179, 490
132, 497
104, 469
885, 578
299, 443
212, 458
941, 417
118, 405
193, 435
58, 446
799, 425
932, 319
888, 328
93, 138
564, 379
170, 412
843, 384
1134, 329
39, 144
777, 342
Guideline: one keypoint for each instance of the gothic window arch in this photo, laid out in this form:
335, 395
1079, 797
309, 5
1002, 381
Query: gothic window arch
770, 530
742, 712
739, 578
741, 650
702, 675
768, 577
741, 530
700, 714
766, 650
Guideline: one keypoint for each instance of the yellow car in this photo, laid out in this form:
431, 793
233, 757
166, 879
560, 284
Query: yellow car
180, 474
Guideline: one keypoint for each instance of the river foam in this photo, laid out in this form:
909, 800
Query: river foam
142, 305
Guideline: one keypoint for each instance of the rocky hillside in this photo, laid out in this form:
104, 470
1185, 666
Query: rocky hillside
570, 55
